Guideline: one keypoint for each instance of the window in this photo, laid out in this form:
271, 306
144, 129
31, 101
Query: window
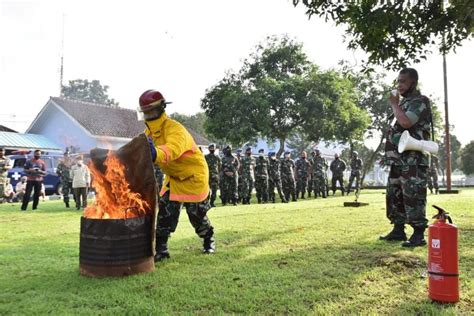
19, 163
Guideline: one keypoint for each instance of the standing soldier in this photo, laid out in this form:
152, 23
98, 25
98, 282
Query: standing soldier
230, 167
310, 180
406, 187
5, 165
356, 171
303, 170
320, 167
261, 177
214, 165
337, 168
63, 170
433, 174
247, 166
238, 155
287, 168
274, 178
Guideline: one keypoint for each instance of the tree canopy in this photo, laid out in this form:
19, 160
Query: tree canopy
279, 92
88, 91
467, 159
397, 33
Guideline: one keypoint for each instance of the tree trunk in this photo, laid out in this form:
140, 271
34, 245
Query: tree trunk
370, 163
282, 147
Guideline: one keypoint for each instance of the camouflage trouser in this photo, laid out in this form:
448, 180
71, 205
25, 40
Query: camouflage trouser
261, 186
168, 216
310, 186
229, 189
213, 186
240, 191
247, 186
301, 185
159, 184
406, 195
337, 178
354, 175
66, 190
2, 190
272, 184
433, 181
319, 185
288, 186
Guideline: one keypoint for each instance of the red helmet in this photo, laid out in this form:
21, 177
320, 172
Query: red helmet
151, 99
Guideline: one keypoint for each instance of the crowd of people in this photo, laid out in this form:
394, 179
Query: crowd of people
235, 176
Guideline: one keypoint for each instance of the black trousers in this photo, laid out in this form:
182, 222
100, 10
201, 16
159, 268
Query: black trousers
30, 185
78, 194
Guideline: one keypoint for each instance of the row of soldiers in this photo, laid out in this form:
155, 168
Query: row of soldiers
236, 176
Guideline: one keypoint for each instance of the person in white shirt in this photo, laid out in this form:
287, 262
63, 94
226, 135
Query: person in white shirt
81, 180
20, 188
8, 193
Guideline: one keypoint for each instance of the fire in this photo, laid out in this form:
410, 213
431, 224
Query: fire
114, 198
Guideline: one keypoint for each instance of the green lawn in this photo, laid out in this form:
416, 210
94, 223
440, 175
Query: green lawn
308, 257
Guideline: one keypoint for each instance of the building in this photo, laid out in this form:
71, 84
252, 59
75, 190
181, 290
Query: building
18, 142
81, 126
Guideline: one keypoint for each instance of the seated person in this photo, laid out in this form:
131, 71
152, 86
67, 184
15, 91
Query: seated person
20, 189
8, 193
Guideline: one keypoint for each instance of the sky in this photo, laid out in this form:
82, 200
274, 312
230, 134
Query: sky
180, 48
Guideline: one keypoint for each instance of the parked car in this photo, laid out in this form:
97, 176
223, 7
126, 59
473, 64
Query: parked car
52, 182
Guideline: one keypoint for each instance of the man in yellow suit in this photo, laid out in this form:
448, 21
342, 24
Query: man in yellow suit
175, 152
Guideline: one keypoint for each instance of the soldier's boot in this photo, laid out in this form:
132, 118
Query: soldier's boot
431, 190
302, 196
437, 190
309, 194
67, 204
234, 201
397, 234
162, 252
417, 239
209, 245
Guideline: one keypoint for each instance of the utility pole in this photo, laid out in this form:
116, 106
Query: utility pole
447, 140
61, 69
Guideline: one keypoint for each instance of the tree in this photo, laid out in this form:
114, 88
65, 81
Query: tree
455, 153
298, 143
467, 159
395, 33
196, 122
88, 91
277, 91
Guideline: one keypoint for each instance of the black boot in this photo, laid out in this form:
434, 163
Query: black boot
67, 204
397, 233
209, 245
161, 248
417, 239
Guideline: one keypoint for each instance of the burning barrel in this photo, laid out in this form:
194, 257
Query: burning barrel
117, 230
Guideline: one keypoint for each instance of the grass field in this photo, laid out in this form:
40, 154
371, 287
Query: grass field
308, 257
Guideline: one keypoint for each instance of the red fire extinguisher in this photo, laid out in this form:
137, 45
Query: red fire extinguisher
443, 259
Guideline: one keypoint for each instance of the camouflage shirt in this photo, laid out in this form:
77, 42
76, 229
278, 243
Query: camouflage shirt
4, 162
287, 167
230, 163
274, 169
214, 164
417, 109
63, 170
356, 165
303, 168
337, 166
261, 167
247, 164
320, 166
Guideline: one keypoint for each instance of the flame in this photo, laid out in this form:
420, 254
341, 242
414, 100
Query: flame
114, 198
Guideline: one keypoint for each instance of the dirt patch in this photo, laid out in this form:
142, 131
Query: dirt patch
400, 261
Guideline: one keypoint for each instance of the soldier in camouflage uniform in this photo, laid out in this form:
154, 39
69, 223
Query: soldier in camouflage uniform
433, 174
287, 169
261, 177
356, 171
337, 167
310, 180
406, 188
63, 170
319, 176
247, 166
303, 172
5, 165
274, 178
238, 155
214, 164
230, 168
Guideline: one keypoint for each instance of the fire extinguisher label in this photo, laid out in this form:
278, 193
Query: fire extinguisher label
435, 243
